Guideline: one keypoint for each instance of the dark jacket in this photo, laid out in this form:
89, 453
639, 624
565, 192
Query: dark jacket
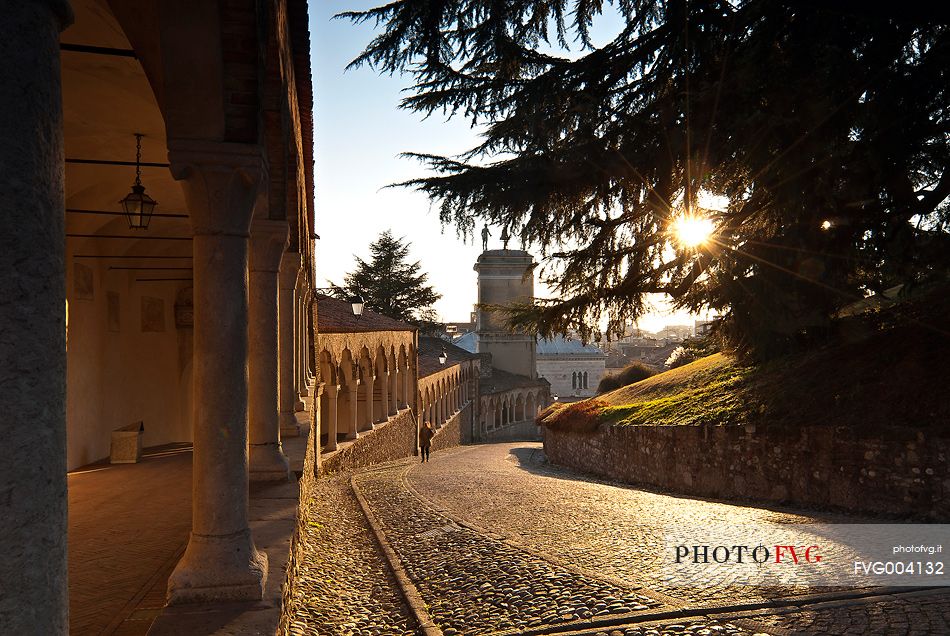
425, 436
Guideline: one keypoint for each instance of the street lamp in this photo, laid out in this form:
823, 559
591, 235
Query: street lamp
554, 397
443, 356
356, 302
138, 206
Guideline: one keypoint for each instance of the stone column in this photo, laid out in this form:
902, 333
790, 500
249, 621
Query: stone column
289, 264
303, 389
300, 382
393, 391
220, 182
352, 428
406, 385
370, 382
33, 591
329, 394
309, 327
384, 395
266, 459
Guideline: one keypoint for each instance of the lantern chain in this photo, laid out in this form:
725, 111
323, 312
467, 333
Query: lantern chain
138, 158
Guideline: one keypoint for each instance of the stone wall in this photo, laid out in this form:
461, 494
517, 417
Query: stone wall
387, 442
519, 431
305, 483
455, 431
895, 471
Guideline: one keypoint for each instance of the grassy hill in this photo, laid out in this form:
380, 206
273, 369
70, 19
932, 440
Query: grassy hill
888, 369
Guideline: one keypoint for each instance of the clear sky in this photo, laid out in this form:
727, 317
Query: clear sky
359, 133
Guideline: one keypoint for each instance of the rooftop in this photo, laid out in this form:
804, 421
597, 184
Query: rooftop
466, 342
501, 381
560, 345
429, 350
336, 316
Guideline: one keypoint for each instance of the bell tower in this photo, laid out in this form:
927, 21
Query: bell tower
505, 276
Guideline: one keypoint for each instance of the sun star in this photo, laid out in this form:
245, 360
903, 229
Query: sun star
691, 230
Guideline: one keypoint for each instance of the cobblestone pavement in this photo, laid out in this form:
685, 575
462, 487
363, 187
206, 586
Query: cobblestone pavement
608, 529
474, 584
914, 614
495, 541
344, 587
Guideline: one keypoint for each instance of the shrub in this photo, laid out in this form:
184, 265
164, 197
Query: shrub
631, 373
680, 356
608, 383
634, 372
577, 417
693, 349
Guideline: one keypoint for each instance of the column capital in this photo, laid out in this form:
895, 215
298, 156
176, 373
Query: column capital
289, 266
268, 241
221, 182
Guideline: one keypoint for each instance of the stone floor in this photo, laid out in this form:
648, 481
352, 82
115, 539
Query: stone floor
496, 541
128, 525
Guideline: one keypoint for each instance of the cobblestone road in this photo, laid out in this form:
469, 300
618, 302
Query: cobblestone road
344, 586
495, 541
611, 530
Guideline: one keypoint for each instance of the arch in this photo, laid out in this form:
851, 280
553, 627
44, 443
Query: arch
403, 385
329, 423
443, 402
574, 380
364, 405
585, 379
519, 409
394, 378
381, 386
348, 397
530, 407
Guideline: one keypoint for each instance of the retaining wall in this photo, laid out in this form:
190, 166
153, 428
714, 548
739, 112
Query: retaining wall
456, 431
894, 471
387, 442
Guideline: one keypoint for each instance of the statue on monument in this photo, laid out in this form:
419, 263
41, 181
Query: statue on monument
505, 237
485, 235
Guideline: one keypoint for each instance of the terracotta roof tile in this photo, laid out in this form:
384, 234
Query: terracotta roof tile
501, 381
336, 316
429, 350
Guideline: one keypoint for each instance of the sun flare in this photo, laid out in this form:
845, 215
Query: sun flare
692, 231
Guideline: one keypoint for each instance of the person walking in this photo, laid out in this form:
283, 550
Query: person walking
425, 440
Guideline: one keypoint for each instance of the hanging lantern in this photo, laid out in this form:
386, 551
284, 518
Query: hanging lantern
137, 205
443, 356
356, 302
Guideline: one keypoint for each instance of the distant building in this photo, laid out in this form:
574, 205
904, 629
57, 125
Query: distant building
573, 368
675, 332
454, 329
650, 351
702, 327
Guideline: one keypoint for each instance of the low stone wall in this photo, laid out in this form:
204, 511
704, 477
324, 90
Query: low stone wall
520, 431
894, 471
305, 483
452, 432
387, 442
